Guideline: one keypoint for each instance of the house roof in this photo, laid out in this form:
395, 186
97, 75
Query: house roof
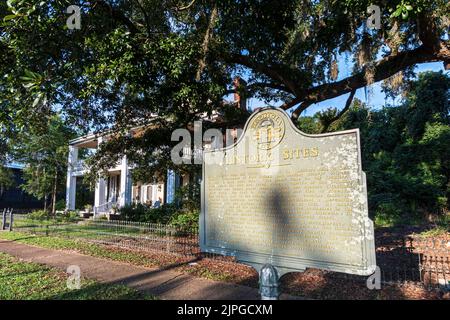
91, 140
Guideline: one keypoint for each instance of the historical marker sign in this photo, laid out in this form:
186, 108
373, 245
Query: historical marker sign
292, 200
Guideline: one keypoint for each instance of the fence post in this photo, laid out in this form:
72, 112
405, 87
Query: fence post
11, 219
4, 219
420, 267
168, 236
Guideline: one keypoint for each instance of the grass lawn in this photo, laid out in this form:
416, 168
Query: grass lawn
312, 284
204, 269
95, 250
30, 281
72, 229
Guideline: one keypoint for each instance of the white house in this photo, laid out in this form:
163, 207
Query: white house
118, 189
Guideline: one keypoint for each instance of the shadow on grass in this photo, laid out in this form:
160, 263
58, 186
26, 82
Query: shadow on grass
137, 279
16, 239
19, 274
182, 286
101, 292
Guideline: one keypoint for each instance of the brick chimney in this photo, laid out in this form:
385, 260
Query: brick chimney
239, 94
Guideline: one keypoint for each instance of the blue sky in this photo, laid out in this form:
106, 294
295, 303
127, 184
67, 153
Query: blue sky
375, 97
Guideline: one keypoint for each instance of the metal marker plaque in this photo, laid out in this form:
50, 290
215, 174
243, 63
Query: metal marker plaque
285, 198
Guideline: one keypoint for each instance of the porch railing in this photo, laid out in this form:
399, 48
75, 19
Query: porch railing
104, 208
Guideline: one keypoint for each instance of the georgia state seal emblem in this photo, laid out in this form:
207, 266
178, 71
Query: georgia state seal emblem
267, 129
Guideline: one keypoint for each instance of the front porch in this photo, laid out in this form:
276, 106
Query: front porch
116, 189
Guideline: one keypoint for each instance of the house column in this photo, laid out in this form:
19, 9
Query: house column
173, 183
71, 183
100, 188
100, 193
125, 183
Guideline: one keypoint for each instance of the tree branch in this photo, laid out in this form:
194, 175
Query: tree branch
297, 112
290, 104
256, 85
272, 70
268, 85
382, 69
144, 13
341, 113
117, 15
186, 7
429, 35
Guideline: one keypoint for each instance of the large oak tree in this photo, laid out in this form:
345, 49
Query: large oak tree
173, 60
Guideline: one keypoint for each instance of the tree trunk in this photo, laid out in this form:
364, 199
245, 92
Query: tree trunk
205, 44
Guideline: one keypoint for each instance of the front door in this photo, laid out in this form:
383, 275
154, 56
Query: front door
113, 188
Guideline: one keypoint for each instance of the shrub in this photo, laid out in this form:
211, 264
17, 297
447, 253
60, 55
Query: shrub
443, 222
395, 213
60, 205
185, 220
69, 216
442, 227
141, 213
188, 197
133, 212
38, 215
388, 215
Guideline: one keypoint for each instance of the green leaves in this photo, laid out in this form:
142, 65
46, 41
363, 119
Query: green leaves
406, 150
44, 152
30, 76
10, 17
129, 63
33, 82
404, 9
6, 178
19, 8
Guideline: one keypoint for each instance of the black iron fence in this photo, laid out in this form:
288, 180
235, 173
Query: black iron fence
126, 234
404, 259
7, 219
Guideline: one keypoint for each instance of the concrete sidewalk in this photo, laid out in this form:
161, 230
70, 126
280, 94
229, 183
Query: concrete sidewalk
165, 284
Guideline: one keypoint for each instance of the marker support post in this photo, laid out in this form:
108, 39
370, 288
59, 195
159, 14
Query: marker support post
269, 283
